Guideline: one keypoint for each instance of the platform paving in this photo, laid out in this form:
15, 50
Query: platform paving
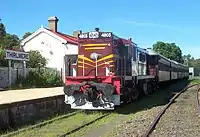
12, 96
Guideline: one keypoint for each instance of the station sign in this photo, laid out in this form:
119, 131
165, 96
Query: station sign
17, 55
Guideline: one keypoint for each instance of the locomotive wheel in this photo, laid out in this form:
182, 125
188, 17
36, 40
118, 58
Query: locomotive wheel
151, 88
145, 88
125, 95
130, 95
135, 94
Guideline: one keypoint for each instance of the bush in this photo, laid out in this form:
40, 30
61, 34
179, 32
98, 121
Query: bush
41, 78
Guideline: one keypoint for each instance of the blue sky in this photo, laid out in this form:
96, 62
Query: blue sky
144, 21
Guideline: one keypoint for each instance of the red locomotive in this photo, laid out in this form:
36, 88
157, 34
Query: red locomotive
110, 70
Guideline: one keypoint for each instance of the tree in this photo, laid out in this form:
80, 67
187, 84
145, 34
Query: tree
10, 41
2, 30
36, 60
169, 50
26, 35
3, 62
7, 41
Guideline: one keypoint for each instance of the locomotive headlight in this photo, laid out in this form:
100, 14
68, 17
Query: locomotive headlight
94, 56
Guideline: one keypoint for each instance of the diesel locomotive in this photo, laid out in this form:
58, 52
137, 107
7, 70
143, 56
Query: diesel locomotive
110, 70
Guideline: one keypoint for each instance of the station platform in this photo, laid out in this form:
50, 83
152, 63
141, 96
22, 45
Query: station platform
12, 96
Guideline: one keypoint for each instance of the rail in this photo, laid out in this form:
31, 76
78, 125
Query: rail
84, 125
157, 118
42, 123
197, 99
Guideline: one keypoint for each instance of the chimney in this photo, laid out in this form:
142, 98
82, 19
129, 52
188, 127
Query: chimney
53, 23
76, 33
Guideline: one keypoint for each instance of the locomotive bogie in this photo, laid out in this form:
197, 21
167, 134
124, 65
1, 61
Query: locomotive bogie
92, 92
113, 101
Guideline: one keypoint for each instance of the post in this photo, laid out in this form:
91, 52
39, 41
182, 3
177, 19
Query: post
9, 73
24, 68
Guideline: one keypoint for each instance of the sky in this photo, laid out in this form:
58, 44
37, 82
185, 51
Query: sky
145, 21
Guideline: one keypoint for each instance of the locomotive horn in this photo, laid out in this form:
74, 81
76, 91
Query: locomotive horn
97, 29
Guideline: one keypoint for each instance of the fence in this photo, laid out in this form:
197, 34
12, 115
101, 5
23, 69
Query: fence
15, 74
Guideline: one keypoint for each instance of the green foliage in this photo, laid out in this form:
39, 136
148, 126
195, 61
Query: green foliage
36, 60
3, 62
191, 61
7, 41
195, 81
10, 41
26, 35
41, 77
2, 30
169, 50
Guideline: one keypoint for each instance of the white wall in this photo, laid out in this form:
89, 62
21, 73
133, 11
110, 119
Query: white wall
46, 44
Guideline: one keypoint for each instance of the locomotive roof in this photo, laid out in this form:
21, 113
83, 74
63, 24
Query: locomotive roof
152, 52
143, 50
174, 62
102, 34
125, 41
182, 65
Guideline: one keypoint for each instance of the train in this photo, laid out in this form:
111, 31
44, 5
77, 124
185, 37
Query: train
110, 71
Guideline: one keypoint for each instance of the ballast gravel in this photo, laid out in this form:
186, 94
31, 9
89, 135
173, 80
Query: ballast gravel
180, 120
136, 126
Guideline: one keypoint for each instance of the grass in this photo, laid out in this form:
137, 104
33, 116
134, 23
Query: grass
59, 127
195, 81
93, 126
38, 123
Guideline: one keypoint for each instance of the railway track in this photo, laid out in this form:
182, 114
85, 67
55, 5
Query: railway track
72, 128
42, 124
197, 99
84, 125
160, 114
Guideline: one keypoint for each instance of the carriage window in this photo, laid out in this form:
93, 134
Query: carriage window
142, 57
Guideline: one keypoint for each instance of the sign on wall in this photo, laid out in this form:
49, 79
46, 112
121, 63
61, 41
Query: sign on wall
17, 55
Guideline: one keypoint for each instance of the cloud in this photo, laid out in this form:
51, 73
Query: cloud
149, 24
